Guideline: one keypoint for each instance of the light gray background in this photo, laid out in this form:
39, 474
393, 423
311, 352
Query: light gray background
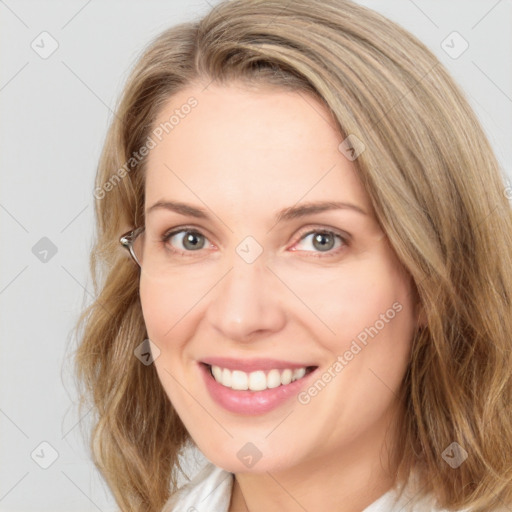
54, 115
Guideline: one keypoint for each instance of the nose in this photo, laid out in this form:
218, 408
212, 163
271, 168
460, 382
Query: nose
247, 302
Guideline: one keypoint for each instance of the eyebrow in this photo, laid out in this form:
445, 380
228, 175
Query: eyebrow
286, 214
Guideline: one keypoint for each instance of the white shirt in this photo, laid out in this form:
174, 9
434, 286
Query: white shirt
210, 491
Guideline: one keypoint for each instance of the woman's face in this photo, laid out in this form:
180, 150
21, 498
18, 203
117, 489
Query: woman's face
280, 268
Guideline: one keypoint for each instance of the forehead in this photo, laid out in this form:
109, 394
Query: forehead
252, 144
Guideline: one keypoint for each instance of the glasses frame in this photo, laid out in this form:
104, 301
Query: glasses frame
128, 239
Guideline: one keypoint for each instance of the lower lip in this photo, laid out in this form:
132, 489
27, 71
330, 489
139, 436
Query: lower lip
251, 402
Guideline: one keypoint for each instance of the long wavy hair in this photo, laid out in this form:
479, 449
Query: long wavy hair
438, 193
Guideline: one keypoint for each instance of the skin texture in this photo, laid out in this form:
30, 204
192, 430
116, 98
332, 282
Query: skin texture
243, 154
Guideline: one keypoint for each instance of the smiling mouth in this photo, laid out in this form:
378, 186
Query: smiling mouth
258, 380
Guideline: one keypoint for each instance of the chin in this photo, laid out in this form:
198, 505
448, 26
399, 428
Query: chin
246, 457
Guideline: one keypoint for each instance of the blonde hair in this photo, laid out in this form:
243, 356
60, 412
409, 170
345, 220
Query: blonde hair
437, 191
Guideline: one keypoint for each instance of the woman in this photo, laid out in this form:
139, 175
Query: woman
318, 297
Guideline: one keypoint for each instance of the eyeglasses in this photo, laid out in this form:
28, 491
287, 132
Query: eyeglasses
152, 254
132, 242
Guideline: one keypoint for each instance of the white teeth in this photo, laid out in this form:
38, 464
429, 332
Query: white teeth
273, 379
239, 380
226, 377
217, 373
258, 380
286, 377
299, 373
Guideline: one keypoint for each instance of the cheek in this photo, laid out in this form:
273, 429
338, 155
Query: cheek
371, 318
171, 305
155, 304
165, 310
373, 323
164, 316
356, 301
374, 333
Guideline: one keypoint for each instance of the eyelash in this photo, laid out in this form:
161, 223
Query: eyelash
317, 254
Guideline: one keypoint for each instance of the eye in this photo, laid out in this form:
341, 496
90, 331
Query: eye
322, 241
185, 240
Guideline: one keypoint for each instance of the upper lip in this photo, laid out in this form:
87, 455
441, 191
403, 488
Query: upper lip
250, 365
